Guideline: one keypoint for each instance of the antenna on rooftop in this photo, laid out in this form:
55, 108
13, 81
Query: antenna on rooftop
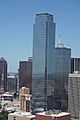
59, 38
60, 43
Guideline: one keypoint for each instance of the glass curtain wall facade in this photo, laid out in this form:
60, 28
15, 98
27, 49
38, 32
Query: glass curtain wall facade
62, 70
43, 62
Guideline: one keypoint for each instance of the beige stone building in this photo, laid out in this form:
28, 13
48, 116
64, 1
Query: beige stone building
24, 90
25, 103
25, 99
21, 116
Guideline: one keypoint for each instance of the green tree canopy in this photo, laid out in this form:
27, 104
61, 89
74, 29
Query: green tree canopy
4, 115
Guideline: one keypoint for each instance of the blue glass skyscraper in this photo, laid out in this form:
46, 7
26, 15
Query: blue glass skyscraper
62, 70
43, 62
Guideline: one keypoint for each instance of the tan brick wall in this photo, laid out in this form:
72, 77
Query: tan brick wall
11, 117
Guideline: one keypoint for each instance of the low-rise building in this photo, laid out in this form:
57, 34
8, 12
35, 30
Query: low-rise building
53, 116
21, 116
6, 97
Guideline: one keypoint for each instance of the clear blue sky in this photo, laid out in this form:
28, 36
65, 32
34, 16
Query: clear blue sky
16, 26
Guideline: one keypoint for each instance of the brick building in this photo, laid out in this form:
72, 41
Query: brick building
25, 74
57, 116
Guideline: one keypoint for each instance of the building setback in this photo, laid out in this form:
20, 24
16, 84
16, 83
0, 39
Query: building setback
25, 73
74, 95
75, 64
3, 75
62, 70
43, 62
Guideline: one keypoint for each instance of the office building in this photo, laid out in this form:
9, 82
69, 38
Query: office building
74, 95
75, 64
3, 75
11, 82
62, 70
25, 73
43, 62
53, 116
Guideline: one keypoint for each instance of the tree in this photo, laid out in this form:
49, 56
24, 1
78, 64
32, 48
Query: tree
4, 115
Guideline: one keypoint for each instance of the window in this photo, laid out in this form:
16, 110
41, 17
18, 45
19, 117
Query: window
14, 118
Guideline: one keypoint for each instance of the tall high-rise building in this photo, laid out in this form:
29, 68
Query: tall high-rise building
43, 62
74, 95
62, 70
3, 75
75, 64
25, 73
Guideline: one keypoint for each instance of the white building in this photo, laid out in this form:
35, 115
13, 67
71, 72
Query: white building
21, 116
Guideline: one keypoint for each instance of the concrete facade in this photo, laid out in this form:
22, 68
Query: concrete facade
74, 95
21, 116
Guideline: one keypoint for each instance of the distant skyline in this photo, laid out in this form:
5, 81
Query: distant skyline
16, 27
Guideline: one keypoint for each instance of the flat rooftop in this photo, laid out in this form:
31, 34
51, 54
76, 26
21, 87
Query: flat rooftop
75, 75
22, 114
44, 14
54, 115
